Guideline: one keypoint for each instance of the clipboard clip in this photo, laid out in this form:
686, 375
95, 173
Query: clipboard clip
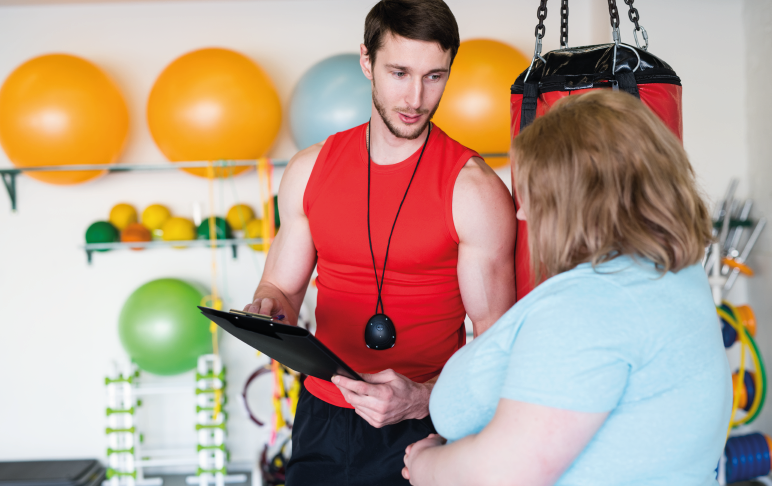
249, 314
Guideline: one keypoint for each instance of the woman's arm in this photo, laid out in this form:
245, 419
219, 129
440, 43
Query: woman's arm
524, 444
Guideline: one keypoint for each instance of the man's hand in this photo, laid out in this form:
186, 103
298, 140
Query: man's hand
386, 398
267, 307
412, 451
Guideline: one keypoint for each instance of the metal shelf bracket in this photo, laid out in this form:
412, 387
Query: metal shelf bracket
9, 181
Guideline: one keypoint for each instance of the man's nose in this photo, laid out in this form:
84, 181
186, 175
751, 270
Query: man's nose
414, 97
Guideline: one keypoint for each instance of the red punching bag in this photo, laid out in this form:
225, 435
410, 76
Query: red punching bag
574, 71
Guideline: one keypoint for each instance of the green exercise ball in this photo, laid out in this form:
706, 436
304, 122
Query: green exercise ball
162, 329
102, 232
222, 229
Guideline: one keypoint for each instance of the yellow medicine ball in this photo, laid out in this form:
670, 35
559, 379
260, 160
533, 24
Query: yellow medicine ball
122, 215
254, 229
179, 229
239, 215
154, 216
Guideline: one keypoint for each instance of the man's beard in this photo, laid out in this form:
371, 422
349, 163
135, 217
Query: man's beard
409, 135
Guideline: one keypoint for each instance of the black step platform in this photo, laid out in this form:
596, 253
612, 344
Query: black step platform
82, 472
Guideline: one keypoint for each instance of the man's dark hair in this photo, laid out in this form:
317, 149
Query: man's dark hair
424, 20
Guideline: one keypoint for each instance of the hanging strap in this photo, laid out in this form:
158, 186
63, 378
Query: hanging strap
529, 104
531, 89
626, 80
628, 84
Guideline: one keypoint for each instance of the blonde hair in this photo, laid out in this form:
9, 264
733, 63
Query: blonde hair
601, 176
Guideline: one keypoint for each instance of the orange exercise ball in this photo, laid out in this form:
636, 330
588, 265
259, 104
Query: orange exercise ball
213, 104
59, 110
475, 106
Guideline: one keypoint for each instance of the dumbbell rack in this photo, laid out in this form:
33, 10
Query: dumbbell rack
127, 459
211, 424
724, 262
121, 470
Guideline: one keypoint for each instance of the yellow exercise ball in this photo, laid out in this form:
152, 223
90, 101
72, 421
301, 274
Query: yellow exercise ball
213, 104
178, 229
154, 216
57, 110
254, 229
239, 215
475, 107
122, 215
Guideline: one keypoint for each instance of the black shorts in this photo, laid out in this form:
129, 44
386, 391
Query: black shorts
335, 446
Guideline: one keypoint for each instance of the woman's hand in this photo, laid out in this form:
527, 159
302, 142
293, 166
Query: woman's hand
412, 451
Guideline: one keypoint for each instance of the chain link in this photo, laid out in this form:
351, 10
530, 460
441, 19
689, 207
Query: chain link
613, 13
633, 14
541, 14
564, 24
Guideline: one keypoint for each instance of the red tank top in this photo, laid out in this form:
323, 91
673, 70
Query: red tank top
420, 293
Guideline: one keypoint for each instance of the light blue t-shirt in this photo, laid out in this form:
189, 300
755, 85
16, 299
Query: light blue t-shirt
616, 338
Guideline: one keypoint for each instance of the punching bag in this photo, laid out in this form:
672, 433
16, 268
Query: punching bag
574, 71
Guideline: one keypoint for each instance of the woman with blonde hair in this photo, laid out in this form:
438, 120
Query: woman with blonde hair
612, 370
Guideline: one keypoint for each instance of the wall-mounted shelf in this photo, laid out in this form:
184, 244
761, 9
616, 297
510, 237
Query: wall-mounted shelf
90, 248
9, 175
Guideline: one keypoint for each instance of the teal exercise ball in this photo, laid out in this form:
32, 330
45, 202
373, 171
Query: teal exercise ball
161, 328
333, 96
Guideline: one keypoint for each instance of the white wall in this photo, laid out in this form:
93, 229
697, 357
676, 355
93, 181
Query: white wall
757, 20
58, 316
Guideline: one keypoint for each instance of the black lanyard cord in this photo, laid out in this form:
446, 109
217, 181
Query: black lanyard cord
379, 302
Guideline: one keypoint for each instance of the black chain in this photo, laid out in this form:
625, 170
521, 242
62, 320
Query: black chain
633, 14
564, 23
613, 13
541, 14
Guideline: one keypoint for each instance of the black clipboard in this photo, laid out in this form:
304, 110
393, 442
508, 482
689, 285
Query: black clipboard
292, 346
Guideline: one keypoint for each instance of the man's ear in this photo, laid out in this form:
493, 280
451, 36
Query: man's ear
364, 61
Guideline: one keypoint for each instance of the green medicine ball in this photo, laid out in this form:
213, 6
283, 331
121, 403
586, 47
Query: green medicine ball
102, 232
162, 329
222, 229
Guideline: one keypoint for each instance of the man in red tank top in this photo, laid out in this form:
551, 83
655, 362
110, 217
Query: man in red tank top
410, 231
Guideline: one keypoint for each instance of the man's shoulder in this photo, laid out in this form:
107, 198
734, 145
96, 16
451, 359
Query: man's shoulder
476, 176
306, 158
481, 202
303, 162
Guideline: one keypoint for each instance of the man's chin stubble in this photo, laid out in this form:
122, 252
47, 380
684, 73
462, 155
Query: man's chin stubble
395, 130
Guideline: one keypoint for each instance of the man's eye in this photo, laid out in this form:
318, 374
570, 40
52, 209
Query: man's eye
399, 74
435, 77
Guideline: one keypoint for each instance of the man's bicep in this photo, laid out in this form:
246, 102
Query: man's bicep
291, 259
292, 256
484, 217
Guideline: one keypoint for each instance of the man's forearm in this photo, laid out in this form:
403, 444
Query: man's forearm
424, 397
